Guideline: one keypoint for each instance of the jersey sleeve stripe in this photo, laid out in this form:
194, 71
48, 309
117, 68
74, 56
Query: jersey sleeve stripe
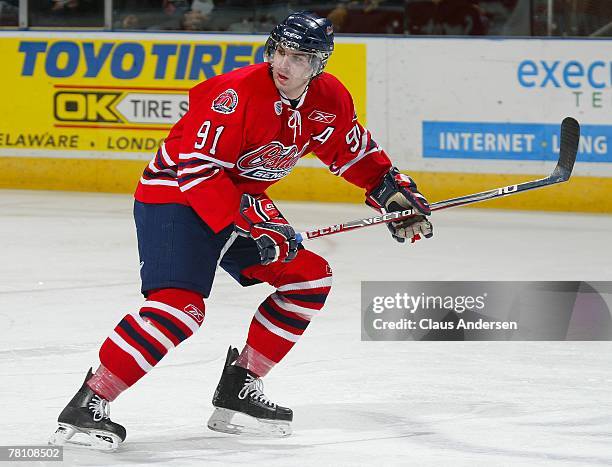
153, 168
207, 174
360, 155
155, 181
193, 170
204, 157
160, 175
200, 179
166, 156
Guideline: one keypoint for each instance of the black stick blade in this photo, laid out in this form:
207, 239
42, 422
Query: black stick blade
570, 137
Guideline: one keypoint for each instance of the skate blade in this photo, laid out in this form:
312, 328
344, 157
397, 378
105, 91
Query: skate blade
238, 423
71, 436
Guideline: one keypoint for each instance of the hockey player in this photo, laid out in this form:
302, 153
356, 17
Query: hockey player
201, 202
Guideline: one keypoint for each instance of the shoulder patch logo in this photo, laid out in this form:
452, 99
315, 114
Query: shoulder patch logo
226, 102
322, 117
278, 107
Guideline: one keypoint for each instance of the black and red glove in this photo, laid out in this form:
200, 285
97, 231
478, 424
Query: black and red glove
398, 192
260, 220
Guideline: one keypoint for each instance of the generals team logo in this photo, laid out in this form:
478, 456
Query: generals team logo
226, 102
320, 116
270, 162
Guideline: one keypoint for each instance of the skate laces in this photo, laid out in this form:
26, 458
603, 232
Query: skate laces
254, 388
100, 408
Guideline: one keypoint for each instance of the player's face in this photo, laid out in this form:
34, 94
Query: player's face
291, 71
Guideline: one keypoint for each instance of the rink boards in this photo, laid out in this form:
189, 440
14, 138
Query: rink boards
461, 115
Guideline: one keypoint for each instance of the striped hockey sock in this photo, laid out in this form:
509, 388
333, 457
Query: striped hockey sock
284, 316
140, 340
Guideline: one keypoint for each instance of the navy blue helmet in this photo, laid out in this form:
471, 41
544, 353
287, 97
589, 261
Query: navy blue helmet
306, 32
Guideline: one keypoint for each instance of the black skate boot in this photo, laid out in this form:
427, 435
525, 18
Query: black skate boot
242, 407
87, 416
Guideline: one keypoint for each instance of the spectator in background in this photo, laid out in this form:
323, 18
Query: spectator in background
445, 17
59, 5
263, 23
195, 20
9, 13
66, 13
204, 7
516, 21
338, 17
580, 17
367, 16
150, 14
172, 15
131, 22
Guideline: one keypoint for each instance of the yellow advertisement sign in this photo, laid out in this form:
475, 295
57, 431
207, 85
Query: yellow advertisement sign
114, 96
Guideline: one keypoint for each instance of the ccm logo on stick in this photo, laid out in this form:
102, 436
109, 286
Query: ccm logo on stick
508, 189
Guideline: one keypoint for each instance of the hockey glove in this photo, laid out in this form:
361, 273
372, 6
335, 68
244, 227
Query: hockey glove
260, 220
397, 192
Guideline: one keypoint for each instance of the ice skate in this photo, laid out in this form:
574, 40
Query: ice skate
241, 406
85, 423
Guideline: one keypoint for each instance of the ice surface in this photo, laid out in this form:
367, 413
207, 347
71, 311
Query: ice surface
69, 272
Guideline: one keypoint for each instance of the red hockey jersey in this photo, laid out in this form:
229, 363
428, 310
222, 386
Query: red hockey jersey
241, 136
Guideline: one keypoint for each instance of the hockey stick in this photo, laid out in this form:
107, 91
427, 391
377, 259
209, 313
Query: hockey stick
570, 136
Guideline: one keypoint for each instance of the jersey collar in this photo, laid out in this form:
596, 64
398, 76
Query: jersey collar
287, 101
